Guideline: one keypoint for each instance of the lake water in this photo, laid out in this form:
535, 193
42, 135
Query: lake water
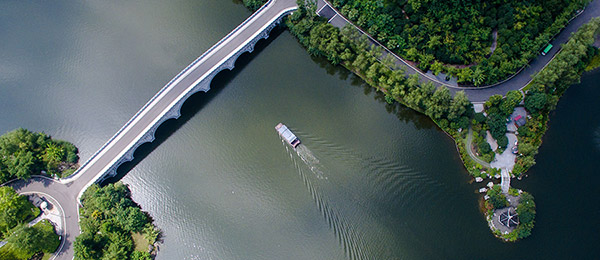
376, 182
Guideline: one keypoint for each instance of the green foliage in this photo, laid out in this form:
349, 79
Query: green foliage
108, 219
26, 241
484, 147
535, 102
526, 212
14, 209
497, 125
594, 62
502, 141
254, 4
23, 153
353, 51
435, 32
137, 255
513, 98
497, 199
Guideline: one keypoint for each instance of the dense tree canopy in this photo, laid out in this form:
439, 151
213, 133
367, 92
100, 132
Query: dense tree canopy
26, 241
108, 219
14, 210
497, 199
23, 153
349, 48
462, 32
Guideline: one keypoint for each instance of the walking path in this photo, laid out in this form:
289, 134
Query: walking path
470, 150
480, 94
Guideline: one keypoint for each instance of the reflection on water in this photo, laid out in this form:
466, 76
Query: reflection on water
597, 138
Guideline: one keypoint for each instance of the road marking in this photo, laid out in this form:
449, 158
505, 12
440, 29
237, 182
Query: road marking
64, 220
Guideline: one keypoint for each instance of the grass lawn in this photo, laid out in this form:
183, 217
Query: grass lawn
141, 244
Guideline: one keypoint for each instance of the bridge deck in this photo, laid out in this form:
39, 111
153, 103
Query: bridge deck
164, 101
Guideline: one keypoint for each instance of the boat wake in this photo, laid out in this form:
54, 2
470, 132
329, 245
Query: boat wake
310, 160
348, 236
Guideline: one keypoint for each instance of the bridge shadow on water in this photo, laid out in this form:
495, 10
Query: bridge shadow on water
193, 105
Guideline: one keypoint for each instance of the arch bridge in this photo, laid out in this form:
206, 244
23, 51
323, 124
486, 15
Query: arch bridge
166, 104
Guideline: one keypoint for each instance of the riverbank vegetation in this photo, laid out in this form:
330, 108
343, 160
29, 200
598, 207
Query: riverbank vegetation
479, 42
454, 114
548, 86
348, 48
109, 220
24, 153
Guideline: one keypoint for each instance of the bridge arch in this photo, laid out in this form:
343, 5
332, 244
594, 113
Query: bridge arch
201, 86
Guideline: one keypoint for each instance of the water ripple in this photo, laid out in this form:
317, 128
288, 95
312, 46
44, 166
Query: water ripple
597, 138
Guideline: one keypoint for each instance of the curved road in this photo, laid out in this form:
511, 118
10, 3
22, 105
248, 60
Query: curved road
66, 197
476, 95
66, 192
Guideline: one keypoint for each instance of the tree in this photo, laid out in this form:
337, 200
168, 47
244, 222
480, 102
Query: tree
459, 106
465, 75
513, 98
484, 147
26, 241
535, 102
440, 101
497, 125
497, 199
478, 77
14, 209
88, 246
527, 149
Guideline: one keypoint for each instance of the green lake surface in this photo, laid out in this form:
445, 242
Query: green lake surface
371, 181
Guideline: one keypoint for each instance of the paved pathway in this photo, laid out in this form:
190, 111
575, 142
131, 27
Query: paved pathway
482, 94
469, 148
506, 162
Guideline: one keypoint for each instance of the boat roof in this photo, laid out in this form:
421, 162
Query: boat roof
286, 133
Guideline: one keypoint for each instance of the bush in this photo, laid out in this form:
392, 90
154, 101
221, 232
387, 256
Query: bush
484, 147
15, 209
497, 200
503, 141
27, 241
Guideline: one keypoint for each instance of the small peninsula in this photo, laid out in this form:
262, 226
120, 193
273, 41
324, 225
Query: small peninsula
496, 139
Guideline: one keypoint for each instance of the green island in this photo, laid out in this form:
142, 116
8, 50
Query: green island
462, 49
113, 226
24, 153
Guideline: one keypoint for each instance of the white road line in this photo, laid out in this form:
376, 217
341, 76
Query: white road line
170, 106
64, 220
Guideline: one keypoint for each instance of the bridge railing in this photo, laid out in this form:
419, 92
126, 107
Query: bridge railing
162, 90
